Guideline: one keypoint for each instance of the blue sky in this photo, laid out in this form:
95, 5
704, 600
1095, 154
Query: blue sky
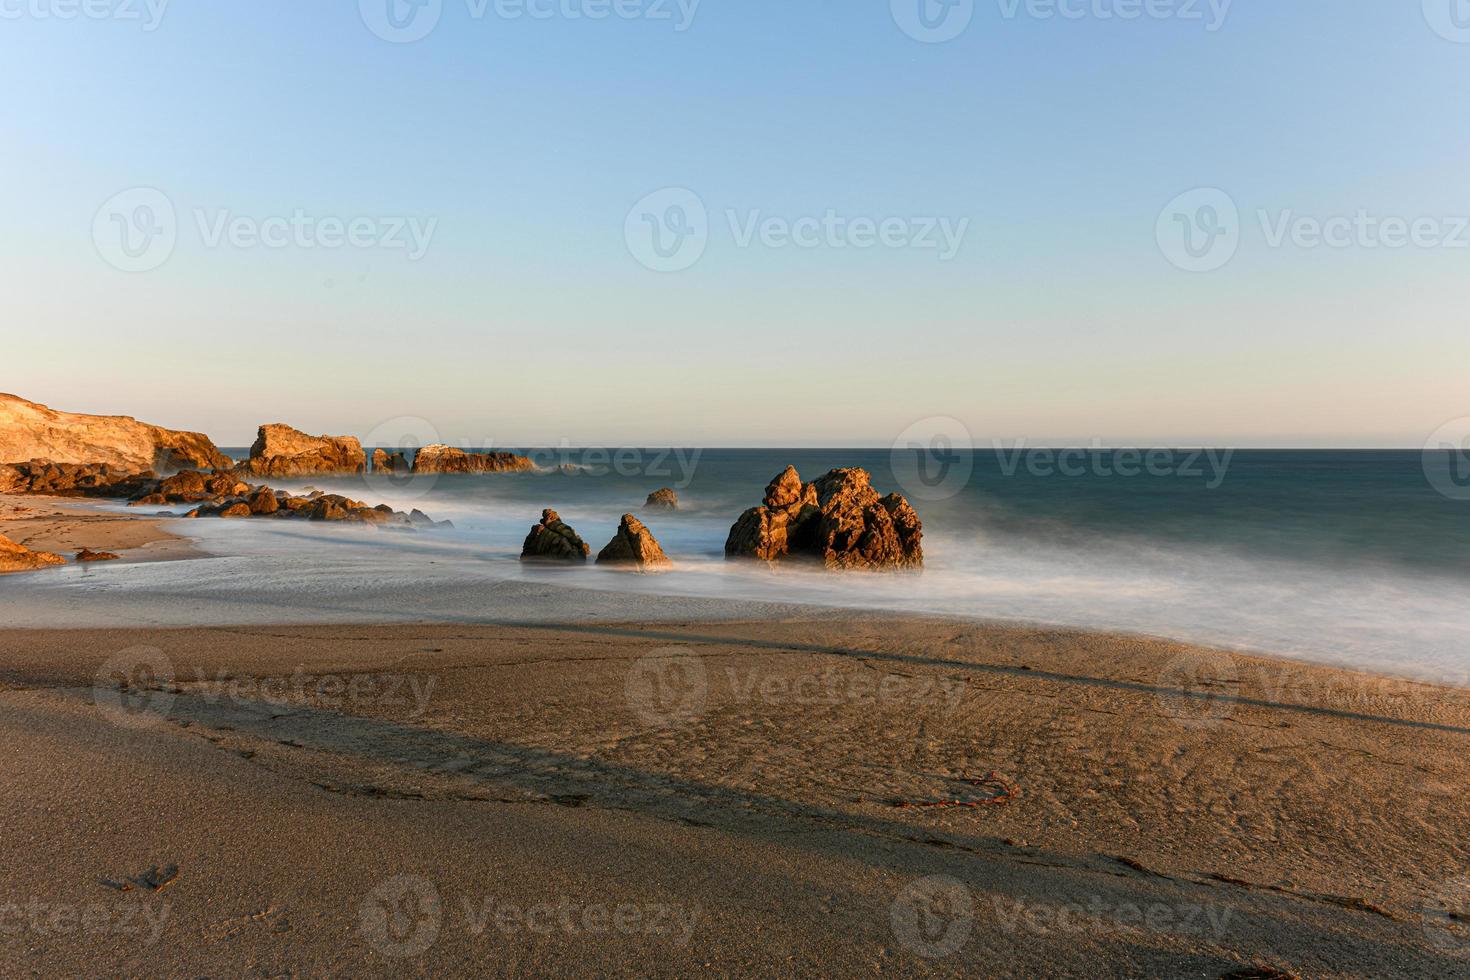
523, 143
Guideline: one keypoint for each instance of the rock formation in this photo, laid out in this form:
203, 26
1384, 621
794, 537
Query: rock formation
29, 431
386, 462
218, 494
552, 540
838, 519
440, 458
87, 554
18, 558
664, 499
72, 479
635, 545
280, 450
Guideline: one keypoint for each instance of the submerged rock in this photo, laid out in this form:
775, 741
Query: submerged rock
280, 450
838, 519
635, 545
553, 540
664, 499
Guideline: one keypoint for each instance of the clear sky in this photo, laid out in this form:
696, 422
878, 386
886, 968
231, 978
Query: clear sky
522, 146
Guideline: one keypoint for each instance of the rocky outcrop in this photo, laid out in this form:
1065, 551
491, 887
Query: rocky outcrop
440, 458
73, 479
88, 555
386, 462
552, 540
30, 431
18, 558
218, 494
664, 499
767, 532
280, 450
838, 520
634, 545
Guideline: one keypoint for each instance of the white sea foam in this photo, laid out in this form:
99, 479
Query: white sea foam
265, 571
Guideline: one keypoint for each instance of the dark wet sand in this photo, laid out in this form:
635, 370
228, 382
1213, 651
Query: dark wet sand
721, 799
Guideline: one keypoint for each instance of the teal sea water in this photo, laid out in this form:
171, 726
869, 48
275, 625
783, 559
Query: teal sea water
1357, 558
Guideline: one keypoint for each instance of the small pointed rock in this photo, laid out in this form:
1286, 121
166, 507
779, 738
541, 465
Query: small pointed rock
634, 545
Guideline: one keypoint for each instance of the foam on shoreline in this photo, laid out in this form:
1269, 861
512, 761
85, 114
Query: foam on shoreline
269, 572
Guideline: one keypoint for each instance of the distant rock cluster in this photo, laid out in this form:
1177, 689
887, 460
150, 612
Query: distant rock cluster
220, 493
837, 521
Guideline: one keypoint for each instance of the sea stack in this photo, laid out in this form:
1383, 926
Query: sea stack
553, 541
634, 545
280, 450
838, 520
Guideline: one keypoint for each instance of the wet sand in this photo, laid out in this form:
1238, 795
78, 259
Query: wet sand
723, 798
64, 526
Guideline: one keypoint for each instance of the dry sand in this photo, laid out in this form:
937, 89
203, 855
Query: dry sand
720, 799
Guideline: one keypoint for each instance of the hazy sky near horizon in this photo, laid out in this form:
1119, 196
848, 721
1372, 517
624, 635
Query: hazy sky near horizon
1052, 145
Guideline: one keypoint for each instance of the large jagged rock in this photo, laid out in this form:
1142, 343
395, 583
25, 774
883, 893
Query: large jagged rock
18, 558
634, 545
280, 450
552, 540
30, 431
665, 499
766, 532
440, 458
838, 520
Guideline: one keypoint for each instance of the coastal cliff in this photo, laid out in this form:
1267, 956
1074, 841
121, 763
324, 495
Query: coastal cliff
29, 430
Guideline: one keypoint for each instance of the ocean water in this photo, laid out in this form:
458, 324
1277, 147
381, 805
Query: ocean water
1349, 558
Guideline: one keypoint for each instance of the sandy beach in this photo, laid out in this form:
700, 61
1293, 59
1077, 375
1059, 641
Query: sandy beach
65, 527
727, 798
